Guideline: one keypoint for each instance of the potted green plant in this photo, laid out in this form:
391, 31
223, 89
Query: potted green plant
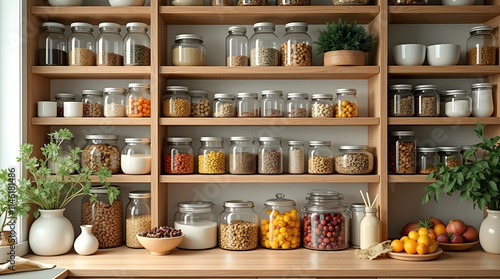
477, 181
344, 44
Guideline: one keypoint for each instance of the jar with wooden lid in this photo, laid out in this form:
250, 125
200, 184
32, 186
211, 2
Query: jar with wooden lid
238, 226
138, 217
280, 215
200, 104
176, 102
189, 50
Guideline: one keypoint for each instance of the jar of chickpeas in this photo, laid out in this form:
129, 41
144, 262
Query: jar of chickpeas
200, 104
346, 103
138, 100
322, 105
280, 224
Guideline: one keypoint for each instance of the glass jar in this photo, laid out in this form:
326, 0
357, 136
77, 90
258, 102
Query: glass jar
101, 151
406, 2
442, 97
92, 103
272, 104
481, 46
427, 100
221, 2
270, 155
401, 100
138, 217
402, 152
136, 156
253, 3
189, 50
60, 99
52, 45
242, 156
279, 224
458, 103
176, 102
296, 157
65, 148
211, 156
264, 45
136, 44
296, 45
351, 2
320, 157
198, 223
326, 221
482, 100
322, 105
200, 104
427, 159
358, 213
248, 104
187, 2
81, 45
114, 102
109, 45
238, 226
237, 46
354, 159
478, 153
451, 156
297, 105
138, 100
105, 218
293, 2
178, 156
224, 105
346, 103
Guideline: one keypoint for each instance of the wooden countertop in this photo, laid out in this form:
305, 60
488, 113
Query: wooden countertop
125, 262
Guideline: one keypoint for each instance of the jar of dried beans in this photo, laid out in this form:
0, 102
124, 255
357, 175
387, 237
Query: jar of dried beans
61, 98
272, 104
322, 106
178, 156
280, 224
52, 45
138, 216
81, 45
320, 159
481, 46
211, 156
296, 46
247, 104
296, 157
346, 103
92, 103
451, 156
238, 226
109, 45
101, 151
138, 100
354, 159
224, 105
427, 159
270, 156
200, 104
237, 47
114, 102
198, 223
136, 45
401, 100
176, 102
428, 100
402, 152
297, 105
264, 45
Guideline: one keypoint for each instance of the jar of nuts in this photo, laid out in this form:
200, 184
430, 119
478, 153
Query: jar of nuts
297, 105
211, 156
101, 151
481, 46
427, 100
322, 105
402, 152
451, 156
293, 2
247, 104
427, 159
346, 103
320, 157
296, 45
279, 224
92, 103
114, 102
354, 159
178, 156
237, 47
198, 223
296, 157
60, 99
270, 155
224, 105
272, 104
238, 226
138, 100
401, 100
200, 104
242, 155
264, 45
138, 216
176, 102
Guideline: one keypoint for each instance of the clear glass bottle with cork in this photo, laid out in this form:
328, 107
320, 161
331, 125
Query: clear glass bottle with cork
137, 45
52, 45
237, 47
296, 46
264, 45
81, 45
109, 45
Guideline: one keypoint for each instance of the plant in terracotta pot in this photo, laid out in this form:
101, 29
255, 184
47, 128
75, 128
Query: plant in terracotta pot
344, 44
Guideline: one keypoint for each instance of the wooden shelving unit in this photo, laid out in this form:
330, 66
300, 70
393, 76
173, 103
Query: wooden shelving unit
92, 72
98, 121
433, 72
283, 178
188, 121
440, 121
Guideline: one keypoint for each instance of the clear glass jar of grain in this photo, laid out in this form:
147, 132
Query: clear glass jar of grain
247, 104
296, 157
354, 159
138, 216
402, 152
224, 105
297, 105
427, 159
321, 105
481, 46
114, 102
346, 103
138, 100
238, 226
401, 100
200, 104
52, 45
81, 45
109, 45
451, 156
211, 156
60, 99
137, 45
176, 102
92, 103
189, 50
264, 45
237, 47
242, 155
428, 100
296, 45
270, 156
320, 157
272, 104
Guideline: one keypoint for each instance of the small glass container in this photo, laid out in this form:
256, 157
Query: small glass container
346, 103
137, 46
402, 152
238, 226
242, 156
60, 99
224, 105
320, 157
272, 104
211, 156
221, 2
270, 156
187, 2
296, 45
427, 159
406, 2
482, 100
198, 223
65, 148
481, 46
401, 100
280, 224
52, 45
354, 159
200, 104
325, 209
293, 2
442, 97
189, 50
114, 102
451, 156
351, 2
478, 153
358, 213
178, 156
101, 151
253, 3
176, 102
136, 156
81, 45
296, 157
109, 45
322, 106
264, 45
248, 104
297, 105
427, 100
92, 103
138, 216
138, 100
237, 46
458, 103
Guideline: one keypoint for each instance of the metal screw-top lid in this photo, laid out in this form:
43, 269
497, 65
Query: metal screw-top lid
298, 95
264, 24
81, 24
101, 190
110, 24
426, 87
346, 91
248, 95
65, 95
212, 139
296, 24
280, 201
179, 139
457, 92
269, 138
136, 24
272, 92
110, 90
450, 148
322, 96
177, 88
481, 85
195, 206
402, 133
139, 85
224, 96
101, 137
323, 195
251, 139
139, 194
358, 206
320, 143
400, 87
481, 28
54, 24
138, 140
188, 37
353, 147
295, 143
239, 204
91, 92
427, 149
241, 29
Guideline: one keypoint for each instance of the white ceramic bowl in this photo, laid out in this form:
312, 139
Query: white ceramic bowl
409, 54
457, 2
65, 2
47, 109
121, 3
443, 54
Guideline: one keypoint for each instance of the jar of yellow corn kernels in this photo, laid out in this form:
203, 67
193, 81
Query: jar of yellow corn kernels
211, 156
280, 224
346, 103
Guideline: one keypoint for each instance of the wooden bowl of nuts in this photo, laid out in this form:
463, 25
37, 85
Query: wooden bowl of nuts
160, 240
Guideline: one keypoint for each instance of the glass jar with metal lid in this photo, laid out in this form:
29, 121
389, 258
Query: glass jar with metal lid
109, 45
136, 156
114, 102
272, 103
427, 100
280, 224
248, 104
481, 46
478, 153
237, 47
224, 105
253, 3
296, 45
270, 155
92, 103
402, 152
325, 209
137, 45
320, 157
442, 97
101, 151
358, 213
138, 100
221, 2
242, 155
178, 156
211, 156
354, 159
346, 103
264, 45
458, 103
401, 100
60, 99
138, 216
198, 223
81, 45
200, 104
482, 99
427, 159
321, 105
296, 157
297, 105
293, 2
189, 50
451, 156
52, 45
176, 102
238, 226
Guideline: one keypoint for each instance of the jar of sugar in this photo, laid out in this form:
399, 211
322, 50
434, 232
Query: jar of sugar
136, 156
482, 99
198, 223
458, 103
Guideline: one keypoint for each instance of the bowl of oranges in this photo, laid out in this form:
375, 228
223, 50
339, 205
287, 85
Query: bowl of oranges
418, 245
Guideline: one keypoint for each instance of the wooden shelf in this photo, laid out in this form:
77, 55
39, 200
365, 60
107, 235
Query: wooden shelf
92, 14
91, 121
92, 72
124, 178
439, 121
210, 121
461, 71
416, 178
278, 15
436, 14
260, 178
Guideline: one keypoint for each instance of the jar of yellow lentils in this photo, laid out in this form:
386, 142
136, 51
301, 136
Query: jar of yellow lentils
346, 103
211, 156
280, 224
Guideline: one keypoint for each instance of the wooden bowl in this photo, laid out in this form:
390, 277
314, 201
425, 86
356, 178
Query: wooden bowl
457, 246
160, 246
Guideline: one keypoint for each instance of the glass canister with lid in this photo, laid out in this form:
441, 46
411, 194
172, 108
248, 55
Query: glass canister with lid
189, 50
198, 223
279, 224
237, 47
358, 213
138, 100
200, 104
296, 46
224, 105
322, 105
272, 104
482, 99
481, 46
136, 156
297, 105
458, 103
354, 159
402, 152
427, 159
451, 156
211, 156
253, 3
346, 103
238, 226
81, 45
270, 158
320, 159
137, 45
242, 155
326, 221
92, 103
427, 100
296, 157
138, 217
101, 151
52, 45
264, 45
176, 102
247, 104
60, 99
178, 156
109, 45
293, 2
401, 100
221, 2
114, 102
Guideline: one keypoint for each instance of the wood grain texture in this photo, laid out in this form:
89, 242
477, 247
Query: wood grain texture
90, 121
92, 15
432, 72
92, 72
439, 121
124, 178
416, 178
261, 178
210, 121
435, 14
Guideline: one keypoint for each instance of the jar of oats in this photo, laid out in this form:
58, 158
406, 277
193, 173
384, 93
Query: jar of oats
176, 102
402, 152
200, 104
354, 159
138, 216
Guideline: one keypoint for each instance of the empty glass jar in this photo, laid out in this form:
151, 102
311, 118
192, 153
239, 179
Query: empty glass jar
280, 214
346, 103
481, 46
296, 157
296, 45
427, 159
211, 156
138, 100
248, 105
320, 159
242, 155
272, 104
224, 105
401, 100
109, 45
264, 45
427, 100
178, 156
176, 102
136, 44
92, 103
189, 50
136, 156
81, 45
237, 46
458, 103
270, 156
321, 105
200, 104
297, 105
198, 223
52, 45
114, 102
238, 226
138, 216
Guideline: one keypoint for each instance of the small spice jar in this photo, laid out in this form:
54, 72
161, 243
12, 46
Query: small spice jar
92, 103
198, 223
320, 157
52, 45
346, 103
406, 2
178, 156
60, 99
189, 50
401, 100
253, 3
296, 157
427, 159
224, 105
280, 224
293, 2
264, 45
270, 155
238, 226
138, 216
358, 213
297, 105
136, 44
296, 45
138, 100
458, 103
481, 46
114, 102
482, 99
272, 104
109, 45
354, 159
211, 156
136, 156
101, 151
81, 45
322, 105
402, 152
237, 46
451, 156
242, 156
427, 100
176, 102
200, 104
248, 104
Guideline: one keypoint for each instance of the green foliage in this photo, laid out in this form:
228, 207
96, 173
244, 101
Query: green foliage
343, 36
477, 181
13, 203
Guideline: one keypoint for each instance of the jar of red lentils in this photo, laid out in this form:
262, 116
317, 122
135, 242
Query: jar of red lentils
138, 100
178, 156
280, 224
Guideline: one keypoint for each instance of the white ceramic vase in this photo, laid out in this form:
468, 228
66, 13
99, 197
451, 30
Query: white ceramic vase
86, 243
51, 234
489, 232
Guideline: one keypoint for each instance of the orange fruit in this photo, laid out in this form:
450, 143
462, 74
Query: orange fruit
413, 235
404, 238
433, 247
423, 231
439, 229
422, 249
432, 236
410, 246
424, 239
397, 245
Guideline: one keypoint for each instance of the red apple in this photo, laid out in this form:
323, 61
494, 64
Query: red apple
456, 238
443, 238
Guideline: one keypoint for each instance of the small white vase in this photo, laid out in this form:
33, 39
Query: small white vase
51, 234
86, 243
489, 232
